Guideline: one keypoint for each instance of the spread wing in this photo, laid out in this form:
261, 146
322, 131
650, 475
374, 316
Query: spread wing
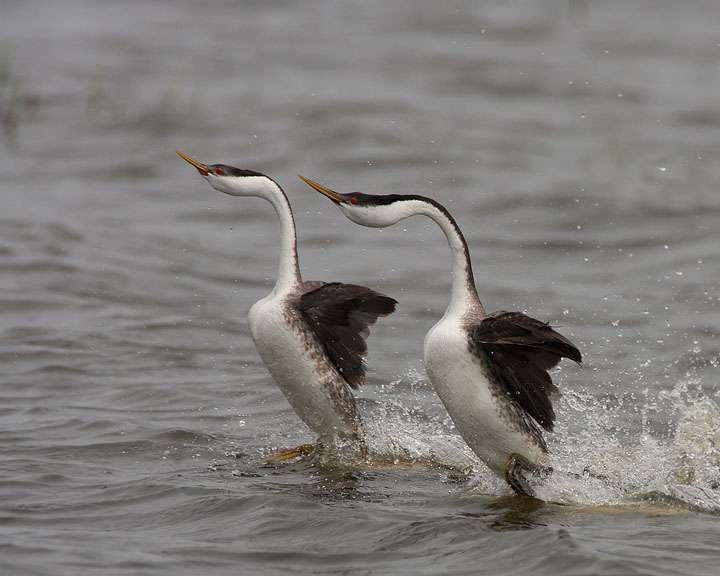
339, 315
518, 351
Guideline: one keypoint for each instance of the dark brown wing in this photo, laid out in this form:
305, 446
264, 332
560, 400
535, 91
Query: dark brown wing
518, 351
340, 314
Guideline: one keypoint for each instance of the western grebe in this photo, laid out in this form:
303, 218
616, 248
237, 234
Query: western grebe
489, 370
311, 335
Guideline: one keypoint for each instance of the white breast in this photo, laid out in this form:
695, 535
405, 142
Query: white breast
481, 417
301, 369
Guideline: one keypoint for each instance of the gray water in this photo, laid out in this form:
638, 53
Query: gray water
577, 145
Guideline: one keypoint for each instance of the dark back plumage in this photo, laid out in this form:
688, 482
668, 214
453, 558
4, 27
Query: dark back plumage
340, 315
518, 351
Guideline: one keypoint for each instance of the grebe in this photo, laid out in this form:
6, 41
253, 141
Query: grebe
489, 370
311, 335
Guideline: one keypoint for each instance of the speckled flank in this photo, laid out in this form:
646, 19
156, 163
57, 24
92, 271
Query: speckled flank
306, 333
507, 409
332, 382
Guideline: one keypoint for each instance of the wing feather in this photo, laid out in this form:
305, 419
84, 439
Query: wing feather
519, 351
340, 316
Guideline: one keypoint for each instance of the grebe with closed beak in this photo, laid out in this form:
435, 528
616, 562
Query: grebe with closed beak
489, 370
311, 335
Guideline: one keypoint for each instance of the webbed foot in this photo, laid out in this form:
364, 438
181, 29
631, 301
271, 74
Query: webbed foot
518, 471
301, 450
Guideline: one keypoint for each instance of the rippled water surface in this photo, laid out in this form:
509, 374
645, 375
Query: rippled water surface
577, 145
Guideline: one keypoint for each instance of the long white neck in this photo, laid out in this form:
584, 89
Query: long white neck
288, 269
463, 294
263, 187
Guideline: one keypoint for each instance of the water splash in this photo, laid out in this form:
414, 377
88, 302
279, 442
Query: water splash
412, 438
603, 465
604, 451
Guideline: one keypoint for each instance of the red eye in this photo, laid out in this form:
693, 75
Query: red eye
353, 200
218, 170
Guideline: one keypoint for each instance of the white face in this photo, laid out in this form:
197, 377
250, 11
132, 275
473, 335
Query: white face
260, 186
234, 181
372, 210
221, 183
378, 216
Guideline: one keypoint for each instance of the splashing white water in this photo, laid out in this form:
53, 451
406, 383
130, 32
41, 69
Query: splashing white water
601, 465
601, 454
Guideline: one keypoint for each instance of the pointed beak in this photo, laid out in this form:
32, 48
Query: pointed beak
200, 167
334, 196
